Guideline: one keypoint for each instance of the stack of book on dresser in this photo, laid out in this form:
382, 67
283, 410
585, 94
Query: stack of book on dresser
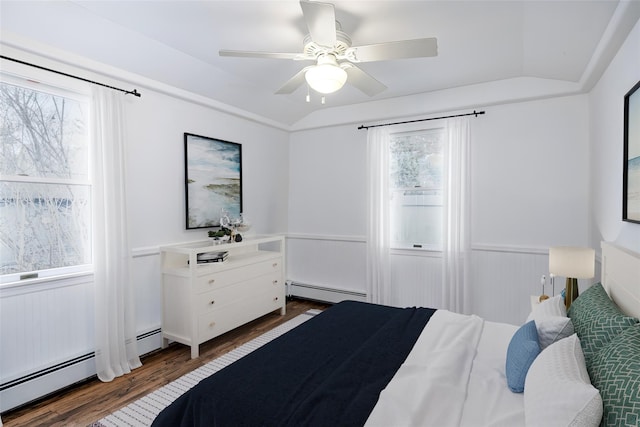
208, 257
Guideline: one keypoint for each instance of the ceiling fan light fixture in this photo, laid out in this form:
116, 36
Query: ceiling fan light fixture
326, 76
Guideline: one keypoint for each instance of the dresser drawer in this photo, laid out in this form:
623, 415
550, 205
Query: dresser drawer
229, 294
228, 277
224, 319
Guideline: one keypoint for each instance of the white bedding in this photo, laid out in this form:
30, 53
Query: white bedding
454, 376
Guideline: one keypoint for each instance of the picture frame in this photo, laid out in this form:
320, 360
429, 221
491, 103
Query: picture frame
631, 164
213, 180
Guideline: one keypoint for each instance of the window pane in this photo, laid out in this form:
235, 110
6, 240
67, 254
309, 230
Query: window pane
43, 226
416, 160
415, 172
45, 212
416, 218
42, 134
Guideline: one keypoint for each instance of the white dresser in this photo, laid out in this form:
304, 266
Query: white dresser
202, 301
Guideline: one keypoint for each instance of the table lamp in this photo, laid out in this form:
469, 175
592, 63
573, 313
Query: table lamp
573, 263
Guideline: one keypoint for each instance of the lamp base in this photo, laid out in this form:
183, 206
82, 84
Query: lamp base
571, 292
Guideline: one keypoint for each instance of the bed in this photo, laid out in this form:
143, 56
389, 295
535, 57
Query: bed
361, 364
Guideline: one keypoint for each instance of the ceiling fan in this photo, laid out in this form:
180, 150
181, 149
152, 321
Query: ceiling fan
335, 58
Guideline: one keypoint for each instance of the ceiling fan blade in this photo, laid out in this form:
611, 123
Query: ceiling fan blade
272, 55
294, 83
418, 48
321, 21
363, 81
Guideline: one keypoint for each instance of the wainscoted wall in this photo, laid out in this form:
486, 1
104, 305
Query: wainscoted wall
48, 329
416, 278
147, 278
45, 326
327, 263
503, 278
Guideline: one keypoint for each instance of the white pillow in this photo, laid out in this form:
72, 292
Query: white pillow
551, 320
552, 329
553, 306
558, 391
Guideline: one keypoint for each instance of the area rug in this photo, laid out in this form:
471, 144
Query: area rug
143, 411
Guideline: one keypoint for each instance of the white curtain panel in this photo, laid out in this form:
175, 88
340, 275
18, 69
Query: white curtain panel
115, 340
456, 254
378, 224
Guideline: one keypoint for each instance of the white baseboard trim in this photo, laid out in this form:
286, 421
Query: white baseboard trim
323, 293
149, 341
47, 381
41, 384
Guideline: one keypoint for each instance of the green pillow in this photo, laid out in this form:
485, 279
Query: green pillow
597, 320
616, 374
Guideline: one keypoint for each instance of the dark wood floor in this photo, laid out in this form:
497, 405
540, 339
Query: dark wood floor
90, 401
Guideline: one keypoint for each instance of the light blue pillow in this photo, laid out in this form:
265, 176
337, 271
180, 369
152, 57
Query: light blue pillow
522, 351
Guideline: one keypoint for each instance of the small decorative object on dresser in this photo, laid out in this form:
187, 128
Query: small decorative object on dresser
233, 225
203, 299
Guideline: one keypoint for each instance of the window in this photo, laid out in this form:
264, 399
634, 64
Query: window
45, 192
415, 181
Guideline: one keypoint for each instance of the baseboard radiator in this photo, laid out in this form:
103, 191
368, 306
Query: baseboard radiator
36, 385
323, 293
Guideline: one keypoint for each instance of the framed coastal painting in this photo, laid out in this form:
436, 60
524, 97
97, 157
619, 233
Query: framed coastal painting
631, 166
213, 180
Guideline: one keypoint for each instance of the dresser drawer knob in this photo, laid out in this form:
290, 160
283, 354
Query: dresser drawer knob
275, 282
275, 299
211, 281
275, 264
212, 302
212, 324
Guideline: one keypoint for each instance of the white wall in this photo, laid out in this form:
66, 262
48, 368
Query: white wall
529, 191
327, 199
606, 127
529, 173
156, 124
327, 174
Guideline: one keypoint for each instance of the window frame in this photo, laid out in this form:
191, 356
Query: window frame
398, 247
41, 81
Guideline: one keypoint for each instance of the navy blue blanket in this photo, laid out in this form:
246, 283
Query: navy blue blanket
329, 371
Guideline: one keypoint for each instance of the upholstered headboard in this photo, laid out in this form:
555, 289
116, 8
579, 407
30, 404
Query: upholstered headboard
621, 277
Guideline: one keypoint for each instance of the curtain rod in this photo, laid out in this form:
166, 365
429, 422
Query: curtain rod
475, 113
128, 92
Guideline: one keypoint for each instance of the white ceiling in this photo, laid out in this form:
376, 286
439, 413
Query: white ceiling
177, 43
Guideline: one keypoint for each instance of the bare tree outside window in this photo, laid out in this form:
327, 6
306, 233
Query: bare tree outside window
415, 180
44, 186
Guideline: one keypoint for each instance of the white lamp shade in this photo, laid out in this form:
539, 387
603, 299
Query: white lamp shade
573, 262
327, 76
